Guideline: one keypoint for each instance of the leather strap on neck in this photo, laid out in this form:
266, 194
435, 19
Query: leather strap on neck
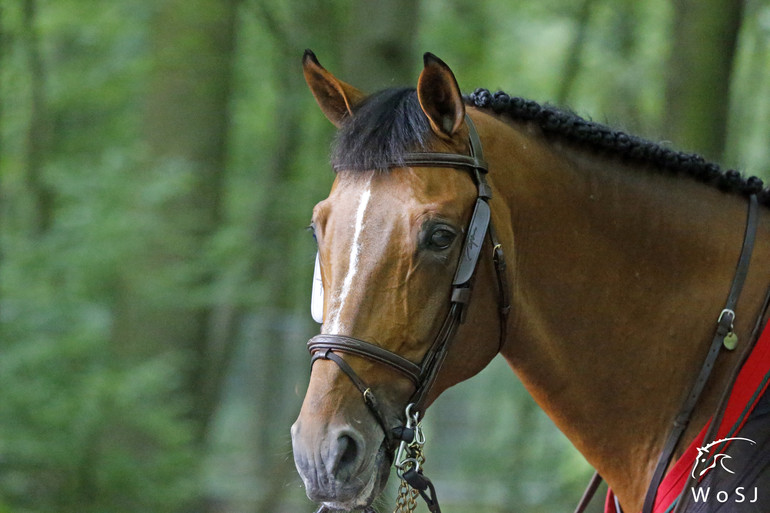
716, 420
724, 327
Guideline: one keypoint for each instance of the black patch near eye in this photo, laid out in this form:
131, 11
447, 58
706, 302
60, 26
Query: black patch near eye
311, 229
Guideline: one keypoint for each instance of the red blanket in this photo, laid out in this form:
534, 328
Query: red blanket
752, 382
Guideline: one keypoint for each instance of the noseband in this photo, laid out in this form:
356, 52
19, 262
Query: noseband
424, 374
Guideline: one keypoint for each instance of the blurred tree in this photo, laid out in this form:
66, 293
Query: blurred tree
163, 300
38, 128
276, 223
282, 173
576, 49
379, 49
749, 130
187, 121
699, 71
79, 431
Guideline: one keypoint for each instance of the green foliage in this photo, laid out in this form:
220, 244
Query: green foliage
78, 435
81, 430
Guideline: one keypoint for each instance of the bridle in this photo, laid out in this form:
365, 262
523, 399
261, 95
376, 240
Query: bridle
423, 375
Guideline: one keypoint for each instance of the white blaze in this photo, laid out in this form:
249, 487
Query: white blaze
355, 250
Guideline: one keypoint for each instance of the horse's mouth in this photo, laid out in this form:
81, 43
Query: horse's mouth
369, 492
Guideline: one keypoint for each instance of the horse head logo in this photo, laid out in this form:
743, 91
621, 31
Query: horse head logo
704, 462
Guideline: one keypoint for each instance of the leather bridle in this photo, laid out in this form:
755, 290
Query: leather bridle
424, 374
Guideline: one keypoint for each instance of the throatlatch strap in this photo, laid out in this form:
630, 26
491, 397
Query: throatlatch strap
585, 500
503, 293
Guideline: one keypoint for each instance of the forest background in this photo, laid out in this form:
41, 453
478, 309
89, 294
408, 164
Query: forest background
159, 160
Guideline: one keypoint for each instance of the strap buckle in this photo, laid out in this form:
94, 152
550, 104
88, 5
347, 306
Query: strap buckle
725, 322
726, 311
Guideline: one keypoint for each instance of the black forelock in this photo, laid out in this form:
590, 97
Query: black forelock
383, 129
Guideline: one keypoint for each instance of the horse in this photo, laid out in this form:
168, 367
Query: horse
598, 262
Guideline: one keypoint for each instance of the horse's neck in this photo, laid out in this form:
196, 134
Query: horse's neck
619, 277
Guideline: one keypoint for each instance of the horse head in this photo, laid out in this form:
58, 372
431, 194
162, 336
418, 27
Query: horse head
390, 236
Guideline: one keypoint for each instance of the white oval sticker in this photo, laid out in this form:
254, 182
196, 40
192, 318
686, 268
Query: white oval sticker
317, 298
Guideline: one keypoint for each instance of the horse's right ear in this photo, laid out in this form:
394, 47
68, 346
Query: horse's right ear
336, 98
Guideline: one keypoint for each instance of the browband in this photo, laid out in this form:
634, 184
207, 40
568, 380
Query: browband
444, 160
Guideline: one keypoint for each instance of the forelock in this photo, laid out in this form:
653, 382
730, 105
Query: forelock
383, 129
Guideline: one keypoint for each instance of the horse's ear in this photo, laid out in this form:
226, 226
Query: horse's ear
440, 97
336, 98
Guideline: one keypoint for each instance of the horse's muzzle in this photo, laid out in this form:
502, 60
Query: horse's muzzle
339, 466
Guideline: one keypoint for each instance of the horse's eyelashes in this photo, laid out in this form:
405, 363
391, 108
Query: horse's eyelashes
311, 229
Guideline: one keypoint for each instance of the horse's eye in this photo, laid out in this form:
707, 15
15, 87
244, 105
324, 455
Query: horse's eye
441, 238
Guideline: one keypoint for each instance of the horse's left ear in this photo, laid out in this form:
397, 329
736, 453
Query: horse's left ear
440, 97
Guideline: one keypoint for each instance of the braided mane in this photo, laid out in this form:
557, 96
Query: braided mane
586, 133
390, 124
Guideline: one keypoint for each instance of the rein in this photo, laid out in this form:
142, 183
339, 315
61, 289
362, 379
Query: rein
424, 374
723, 337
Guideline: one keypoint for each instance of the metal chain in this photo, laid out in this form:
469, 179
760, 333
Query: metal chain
409, 456
406, 501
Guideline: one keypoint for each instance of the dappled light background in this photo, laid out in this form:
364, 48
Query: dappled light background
159, 160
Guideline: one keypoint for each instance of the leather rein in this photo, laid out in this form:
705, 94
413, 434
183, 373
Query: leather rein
423, 375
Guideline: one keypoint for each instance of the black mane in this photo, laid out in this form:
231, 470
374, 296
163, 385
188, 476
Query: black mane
390, 124
598, 137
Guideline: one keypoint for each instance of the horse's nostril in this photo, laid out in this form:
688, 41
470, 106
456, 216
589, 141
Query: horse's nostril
348, 448
346, 454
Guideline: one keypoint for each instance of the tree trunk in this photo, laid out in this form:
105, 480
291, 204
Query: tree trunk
576, 49
749, 126
699, 71
38, 134
275, 238
372, 59
162, 305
